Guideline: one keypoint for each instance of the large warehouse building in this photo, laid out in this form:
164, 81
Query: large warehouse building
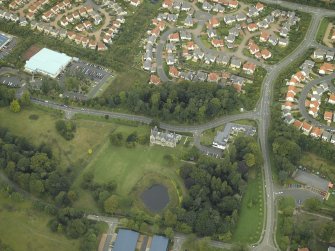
48, 62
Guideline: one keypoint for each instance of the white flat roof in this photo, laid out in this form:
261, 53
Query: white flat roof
48, 62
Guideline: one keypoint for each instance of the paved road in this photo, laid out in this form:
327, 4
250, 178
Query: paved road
146, 120
303, 96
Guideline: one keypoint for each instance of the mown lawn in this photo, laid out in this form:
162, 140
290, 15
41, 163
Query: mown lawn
322, 30
128, 166
89, 134
251, 216
23, 229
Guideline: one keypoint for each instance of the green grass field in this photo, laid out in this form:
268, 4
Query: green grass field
89, 134
251, 217
322, 30
128, 166
23, 228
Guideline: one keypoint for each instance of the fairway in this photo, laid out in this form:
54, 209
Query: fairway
251, 218
89, 134
128, 166
23, 228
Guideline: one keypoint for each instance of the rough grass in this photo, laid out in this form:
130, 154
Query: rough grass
318, 164
22, 228
89, 134
251, 216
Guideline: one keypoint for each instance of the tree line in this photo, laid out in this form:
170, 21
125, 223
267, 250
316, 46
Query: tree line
183, 102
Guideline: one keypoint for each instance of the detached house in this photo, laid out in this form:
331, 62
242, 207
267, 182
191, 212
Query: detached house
173, 72
306, 128
249, 68
326, 68
174, 37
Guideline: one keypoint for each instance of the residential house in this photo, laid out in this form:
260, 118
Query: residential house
253, 48
174, 37
185, 6
326, 68
328, 116
259, 6
135, 2
252, 27
283, 41
223, 59
264, 37
241, 17
330, 55
252, 12
233, 4
229, 19
173, 72
235, 63
170, 59
217, 43
326, 136
213, 77
331, 99
306, 128
214, 22
189, 22
211, 33
230, 39
209, 58
185, 35
249, 68
287, 105
319, 54
218, 8
316, 132
297, 124
167, 4
147, 65
155, 80
273, 40
207, 6
266, 53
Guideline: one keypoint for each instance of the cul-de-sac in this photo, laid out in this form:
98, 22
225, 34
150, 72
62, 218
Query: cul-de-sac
167, 125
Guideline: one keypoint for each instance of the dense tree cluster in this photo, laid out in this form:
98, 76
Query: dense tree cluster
118, 139
33, 169
215, 189
66, 128
297, 231
102, 193
184, 102
6, 96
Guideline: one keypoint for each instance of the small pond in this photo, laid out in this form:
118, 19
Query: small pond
155, 198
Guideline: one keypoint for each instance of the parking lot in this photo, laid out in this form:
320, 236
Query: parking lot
8, 48
94, 72
10, 81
